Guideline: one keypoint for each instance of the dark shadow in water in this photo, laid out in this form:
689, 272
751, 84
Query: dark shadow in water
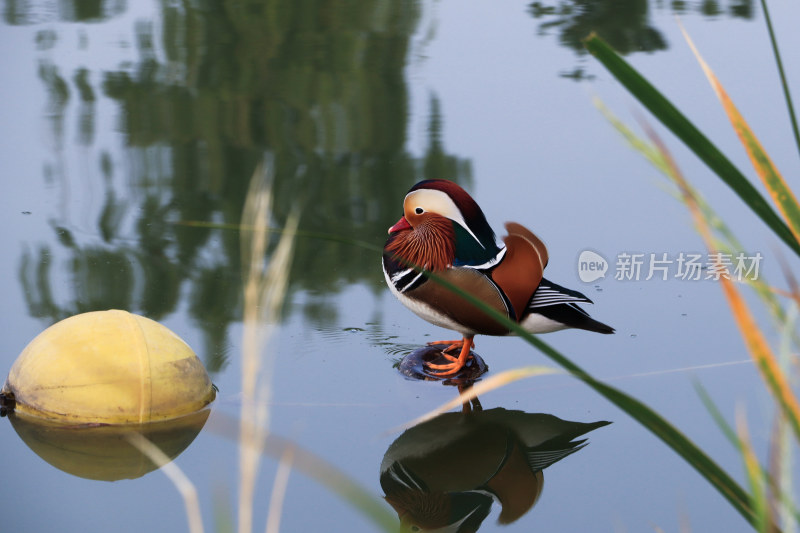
446, 473
101, 451
625, 24
18, 12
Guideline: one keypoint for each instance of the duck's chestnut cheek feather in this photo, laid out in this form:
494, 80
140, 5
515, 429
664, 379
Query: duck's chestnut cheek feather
400, 225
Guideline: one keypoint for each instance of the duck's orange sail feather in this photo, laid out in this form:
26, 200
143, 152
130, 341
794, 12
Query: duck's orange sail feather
520, 272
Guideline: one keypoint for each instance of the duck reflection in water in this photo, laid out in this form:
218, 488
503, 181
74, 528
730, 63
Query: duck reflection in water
444, 474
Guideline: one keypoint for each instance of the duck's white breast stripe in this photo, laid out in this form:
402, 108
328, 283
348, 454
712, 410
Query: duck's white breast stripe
411, 283
397, 275
405, 279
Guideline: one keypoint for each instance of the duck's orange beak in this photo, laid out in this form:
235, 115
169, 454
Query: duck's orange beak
400, 225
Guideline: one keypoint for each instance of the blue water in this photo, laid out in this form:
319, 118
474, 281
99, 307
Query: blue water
121, 124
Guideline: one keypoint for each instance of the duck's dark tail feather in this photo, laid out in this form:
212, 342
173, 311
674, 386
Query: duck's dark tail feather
574, 317
559, 303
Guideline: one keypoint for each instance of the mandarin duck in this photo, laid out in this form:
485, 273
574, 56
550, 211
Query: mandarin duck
444, 231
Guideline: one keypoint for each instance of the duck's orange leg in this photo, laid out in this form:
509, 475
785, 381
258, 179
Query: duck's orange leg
458, 363
452, 346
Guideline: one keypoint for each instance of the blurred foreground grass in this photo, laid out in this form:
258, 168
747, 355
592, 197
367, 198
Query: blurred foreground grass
770, 500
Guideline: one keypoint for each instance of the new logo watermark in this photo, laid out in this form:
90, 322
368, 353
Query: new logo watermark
591, 266
636, 266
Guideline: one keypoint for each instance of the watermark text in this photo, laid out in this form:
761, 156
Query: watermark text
689, 266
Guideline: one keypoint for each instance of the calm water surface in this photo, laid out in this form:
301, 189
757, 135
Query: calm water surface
131, 131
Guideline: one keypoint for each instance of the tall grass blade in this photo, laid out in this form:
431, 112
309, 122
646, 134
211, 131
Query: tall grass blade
754, 340
316, 468
782, 463
263, 296
781, 194
649, 151
715, 413
253, 417
779, 481
755, 475
482, 387
765, 360
727, 242
184, 485
783, 491
279, 492
253, 246
785, 84
222, 509
673, 119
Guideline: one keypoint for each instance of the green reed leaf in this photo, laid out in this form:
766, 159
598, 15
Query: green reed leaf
784, 499
725, 240
756, 477
782, 195
779, 63
695, 140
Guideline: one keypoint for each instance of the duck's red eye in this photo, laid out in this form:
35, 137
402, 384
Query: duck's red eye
419, 210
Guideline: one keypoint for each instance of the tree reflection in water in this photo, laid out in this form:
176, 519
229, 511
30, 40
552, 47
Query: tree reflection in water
626, 25
317, 89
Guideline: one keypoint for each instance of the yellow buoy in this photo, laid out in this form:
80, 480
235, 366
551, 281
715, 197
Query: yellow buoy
108, 367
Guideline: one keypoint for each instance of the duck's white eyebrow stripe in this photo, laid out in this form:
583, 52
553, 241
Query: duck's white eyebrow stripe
441, 203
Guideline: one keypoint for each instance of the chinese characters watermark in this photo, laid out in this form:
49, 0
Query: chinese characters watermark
636, 266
